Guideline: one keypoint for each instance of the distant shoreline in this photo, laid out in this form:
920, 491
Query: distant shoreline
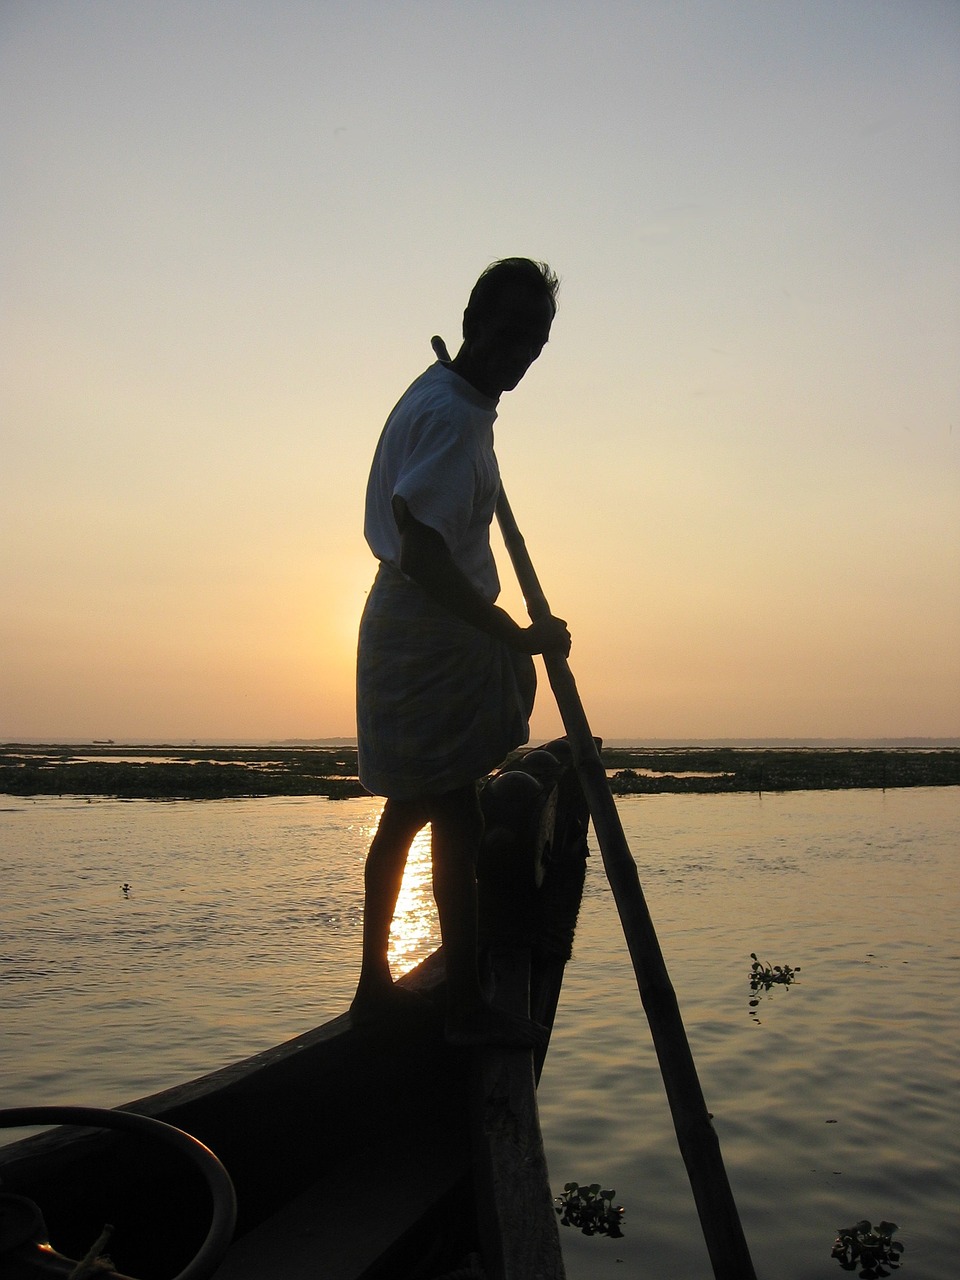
918, 743
176, 771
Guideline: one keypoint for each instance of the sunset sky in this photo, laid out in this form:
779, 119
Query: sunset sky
228, 231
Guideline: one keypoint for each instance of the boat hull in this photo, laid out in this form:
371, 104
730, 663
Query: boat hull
364, 1146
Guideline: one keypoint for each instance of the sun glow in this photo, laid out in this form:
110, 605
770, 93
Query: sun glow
416, 928
774, 452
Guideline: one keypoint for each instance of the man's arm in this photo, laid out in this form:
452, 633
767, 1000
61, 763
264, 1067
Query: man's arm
425, 557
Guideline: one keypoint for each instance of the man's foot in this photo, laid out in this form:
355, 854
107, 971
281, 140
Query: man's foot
487, 1025
385, 1003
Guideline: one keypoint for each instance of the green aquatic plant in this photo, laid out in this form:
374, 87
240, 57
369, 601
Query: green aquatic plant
868, 1250
765, 976
591, 1209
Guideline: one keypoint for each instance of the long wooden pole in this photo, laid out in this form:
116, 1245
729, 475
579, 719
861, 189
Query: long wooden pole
698, 1141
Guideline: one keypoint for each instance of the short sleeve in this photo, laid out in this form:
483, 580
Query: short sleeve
438, 480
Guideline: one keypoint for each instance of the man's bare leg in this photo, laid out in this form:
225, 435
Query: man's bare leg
382, 876
457, 830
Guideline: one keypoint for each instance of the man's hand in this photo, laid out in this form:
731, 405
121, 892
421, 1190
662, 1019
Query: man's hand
548, 635
424, 557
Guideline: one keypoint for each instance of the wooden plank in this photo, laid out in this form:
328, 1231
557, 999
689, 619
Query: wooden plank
342, 1226
519, 1236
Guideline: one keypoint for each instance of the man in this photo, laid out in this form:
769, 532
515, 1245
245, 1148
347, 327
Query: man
445, 679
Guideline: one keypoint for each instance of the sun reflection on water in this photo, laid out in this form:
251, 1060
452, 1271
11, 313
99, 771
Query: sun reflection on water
416, 929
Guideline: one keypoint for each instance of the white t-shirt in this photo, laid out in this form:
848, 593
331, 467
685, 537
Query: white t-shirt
436, 452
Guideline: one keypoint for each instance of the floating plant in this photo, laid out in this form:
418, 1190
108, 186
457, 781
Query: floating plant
591, 1209
764, 977
868, 1250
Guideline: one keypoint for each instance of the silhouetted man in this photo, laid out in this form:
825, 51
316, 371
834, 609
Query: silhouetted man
445, 679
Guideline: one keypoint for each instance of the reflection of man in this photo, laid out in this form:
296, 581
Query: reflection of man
445, 681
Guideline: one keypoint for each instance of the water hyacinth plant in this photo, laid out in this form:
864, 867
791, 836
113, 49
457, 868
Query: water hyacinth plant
765, 976
591, 1209
868, 1250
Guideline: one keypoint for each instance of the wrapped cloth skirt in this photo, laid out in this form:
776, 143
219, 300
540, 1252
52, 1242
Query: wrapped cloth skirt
439, 703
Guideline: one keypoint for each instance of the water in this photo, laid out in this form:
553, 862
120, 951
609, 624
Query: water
834, 1098
144, 942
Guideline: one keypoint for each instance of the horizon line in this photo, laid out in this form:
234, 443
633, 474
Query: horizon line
638, 741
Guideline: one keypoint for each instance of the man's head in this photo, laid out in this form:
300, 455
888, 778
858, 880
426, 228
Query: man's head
509, 276
506, 323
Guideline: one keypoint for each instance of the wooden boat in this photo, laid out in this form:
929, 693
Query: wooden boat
355, 1151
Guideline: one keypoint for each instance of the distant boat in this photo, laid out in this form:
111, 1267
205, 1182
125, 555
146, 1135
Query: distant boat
356, 1151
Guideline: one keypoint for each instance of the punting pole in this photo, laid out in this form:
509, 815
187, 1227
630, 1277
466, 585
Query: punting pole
699, 1145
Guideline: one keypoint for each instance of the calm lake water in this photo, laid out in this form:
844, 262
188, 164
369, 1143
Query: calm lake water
144, 942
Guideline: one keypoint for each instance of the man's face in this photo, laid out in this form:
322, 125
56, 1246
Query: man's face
508, 341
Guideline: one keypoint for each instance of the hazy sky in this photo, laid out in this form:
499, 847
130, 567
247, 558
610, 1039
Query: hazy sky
228, 231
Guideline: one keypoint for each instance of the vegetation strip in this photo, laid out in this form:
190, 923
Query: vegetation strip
176, 772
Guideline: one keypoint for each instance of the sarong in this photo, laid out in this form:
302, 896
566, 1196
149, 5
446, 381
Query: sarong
439, 702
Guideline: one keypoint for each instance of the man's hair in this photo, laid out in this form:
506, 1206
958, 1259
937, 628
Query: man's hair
503, 276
